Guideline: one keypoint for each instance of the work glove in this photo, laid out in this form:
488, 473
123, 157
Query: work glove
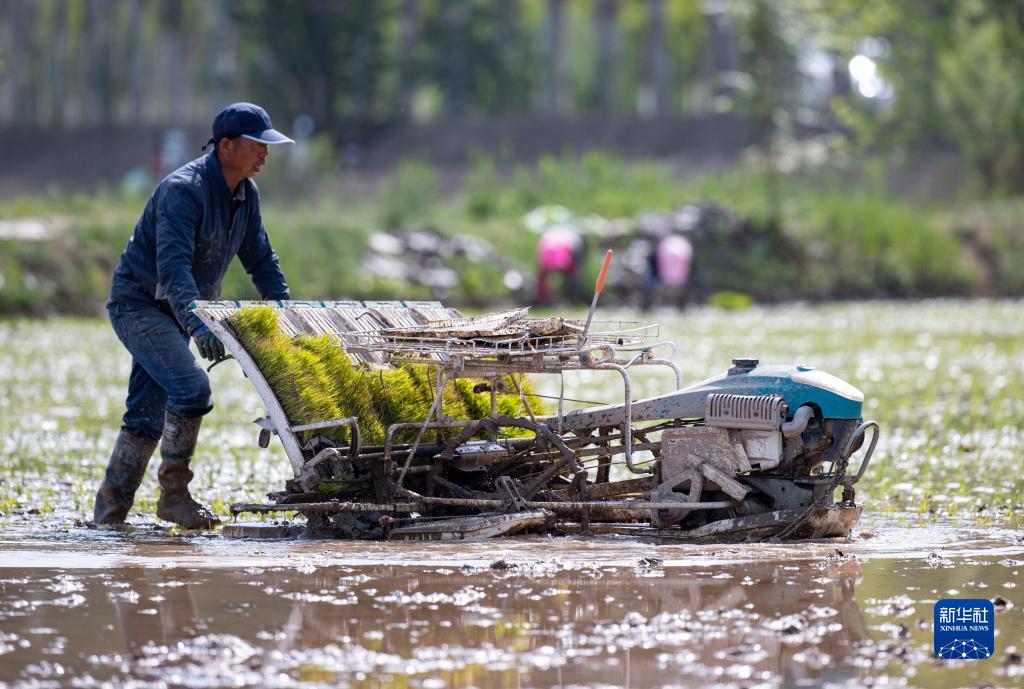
210, 347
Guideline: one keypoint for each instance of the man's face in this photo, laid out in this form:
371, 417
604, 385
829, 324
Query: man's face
245, 156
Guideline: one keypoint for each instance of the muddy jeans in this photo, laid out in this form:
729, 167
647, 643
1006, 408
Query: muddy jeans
165, 374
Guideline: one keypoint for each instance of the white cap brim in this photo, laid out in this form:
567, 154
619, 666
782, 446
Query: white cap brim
269, 136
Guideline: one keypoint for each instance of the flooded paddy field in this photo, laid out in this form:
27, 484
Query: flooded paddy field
154, 608
153, 611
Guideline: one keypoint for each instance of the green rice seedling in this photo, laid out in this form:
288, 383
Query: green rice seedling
423, 395
349, 388
396, 399
509, 404
478, 404
453, 403
423, 387
255, 325
297, 376
425, 381
394, 396
316, 381
315, 389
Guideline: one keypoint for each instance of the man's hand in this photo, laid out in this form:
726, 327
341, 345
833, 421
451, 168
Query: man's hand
209, 346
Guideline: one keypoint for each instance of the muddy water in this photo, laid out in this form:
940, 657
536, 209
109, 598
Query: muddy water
151, 610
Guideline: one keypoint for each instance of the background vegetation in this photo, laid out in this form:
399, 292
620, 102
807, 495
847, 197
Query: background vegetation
936, 71
862, 149
823, 241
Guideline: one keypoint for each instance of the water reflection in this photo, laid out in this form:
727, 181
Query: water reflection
154, 607
532, 624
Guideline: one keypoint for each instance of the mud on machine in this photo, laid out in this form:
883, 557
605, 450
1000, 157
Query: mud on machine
758, 453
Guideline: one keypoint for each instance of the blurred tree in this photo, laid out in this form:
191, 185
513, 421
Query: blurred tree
556, 89
320, 57
687, 39
657, 59
953, 67
57, 64
722, 59
453, 64
409, 31
99, 96
137, 59
770, 63
650, 70
120, 62
517, 58
172, 58
605, 15
222, 76
477, 55
22, 60
74, 103
980, 94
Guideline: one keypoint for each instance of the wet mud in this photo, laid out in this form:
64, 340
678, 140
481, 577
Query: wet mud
149, 609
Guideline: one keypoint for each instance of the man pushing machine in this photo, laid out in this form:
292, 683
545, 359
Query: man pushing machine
199, 218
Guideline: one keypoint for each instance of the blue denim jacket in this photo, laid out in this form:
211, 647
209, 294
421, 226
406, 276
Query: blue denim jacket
190, 230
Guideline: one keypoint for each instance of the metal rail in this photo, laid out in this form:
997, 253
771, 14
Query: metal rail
416, 333
325, 507
417, 503
624, 333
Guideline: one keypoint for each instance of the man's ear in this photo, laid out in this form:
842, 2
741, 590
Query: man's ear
224, 146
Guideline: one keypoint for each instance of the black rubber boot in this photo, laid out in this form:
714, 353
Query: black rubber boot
125, 470
176, 450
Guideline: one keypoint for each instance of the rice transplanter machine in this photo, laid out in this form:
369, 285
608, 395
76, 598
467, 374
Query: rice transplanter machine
762, 452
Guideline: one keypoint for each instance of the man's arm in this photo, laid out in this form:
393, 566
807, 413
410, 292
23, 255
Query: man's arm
259, 259
177, 217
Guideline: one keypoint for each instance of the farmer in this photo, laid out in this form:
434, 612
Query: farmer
560, 250
668, 266
200, 217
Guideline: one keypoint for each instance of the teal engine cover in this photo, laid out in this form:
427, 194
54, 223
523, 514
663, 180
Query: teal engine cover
798, 385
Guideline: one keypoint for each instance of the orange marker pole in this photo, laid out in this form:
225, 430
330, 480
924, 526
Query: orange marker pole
597, 292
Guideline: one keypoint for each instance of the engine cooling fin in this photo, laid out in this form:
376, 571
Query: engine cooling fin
753, 412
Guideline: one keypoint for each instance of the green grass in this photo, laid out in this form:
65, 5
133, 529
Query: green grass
818, 237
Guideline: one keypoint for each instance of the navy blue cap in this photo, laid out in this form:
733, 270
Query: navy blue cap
248, 120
